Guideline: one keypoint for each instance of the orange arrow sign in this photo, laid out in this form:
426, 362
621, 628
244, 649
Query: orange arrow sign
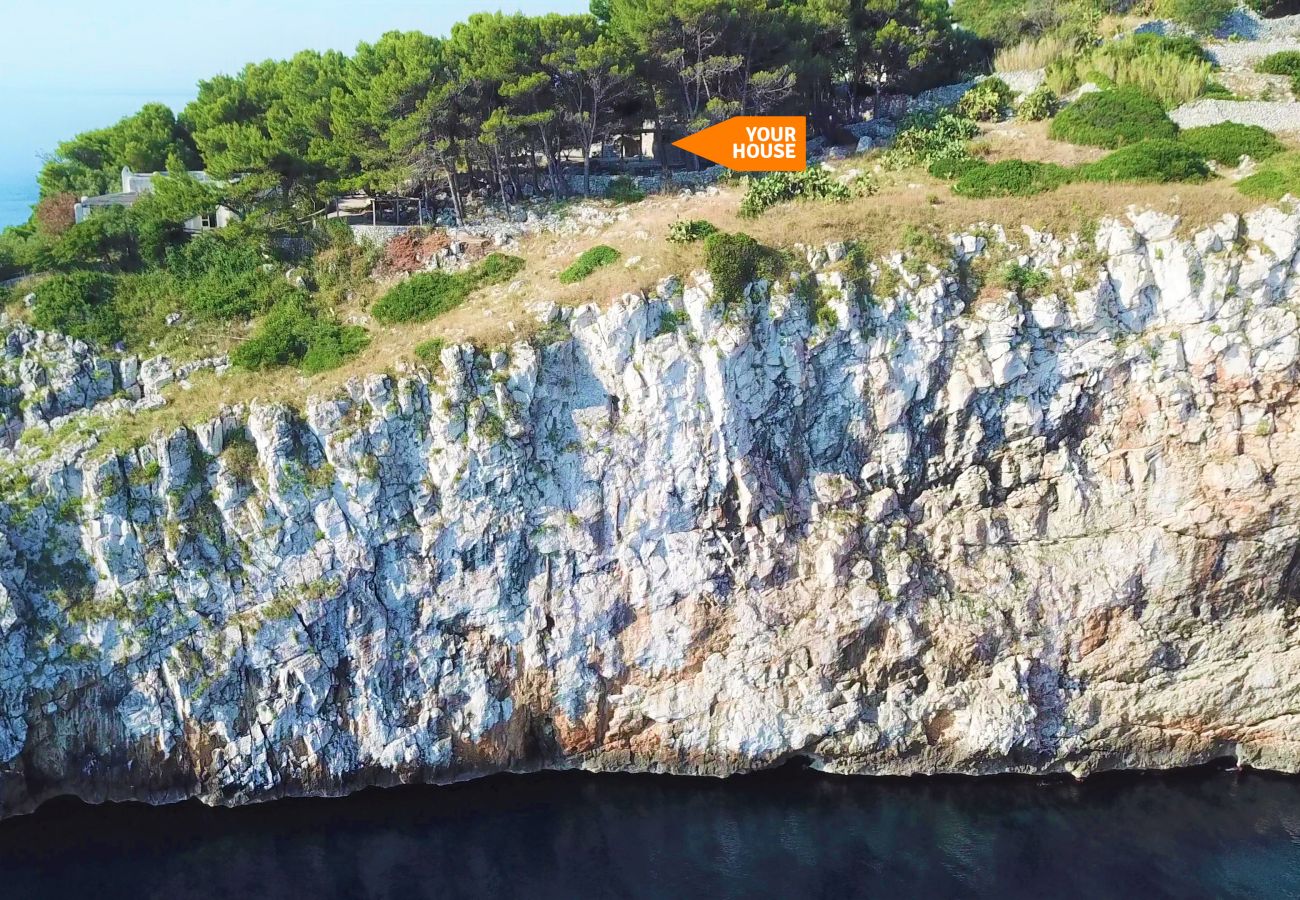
753, 143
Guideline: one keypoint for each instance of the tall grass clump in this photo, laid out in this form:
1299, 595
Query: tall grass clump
1032, 53
1172, 70
1112, 119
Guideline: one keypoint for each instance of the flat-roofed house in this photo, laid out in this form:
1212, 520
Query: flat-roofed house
137, 184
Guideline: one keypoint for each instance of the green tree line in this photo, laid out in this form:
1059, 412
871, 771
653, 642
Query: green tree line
498, 101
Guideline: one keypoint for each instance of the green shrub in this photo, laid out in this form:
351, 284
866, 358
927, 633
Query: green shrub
1011, 178
1274, 179
1040, 103
732, 261
430, 294
624, 190
1202, 16
690, 231
1227, 142
986, 101
1112, 119
1024, 280
293, 334
81, 305
1172, 70
591, 260
1285, 62
227, 274
1149, 161
930, 135
1004, 22
816, 183
422, 297
496, 268
430, 352
953, 167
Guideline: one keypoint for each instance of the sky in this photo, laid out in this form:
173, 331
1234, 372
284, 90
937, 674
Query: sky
72, 65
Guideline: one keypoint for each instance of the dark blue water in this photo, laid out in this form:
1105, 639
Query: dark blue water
1198, 834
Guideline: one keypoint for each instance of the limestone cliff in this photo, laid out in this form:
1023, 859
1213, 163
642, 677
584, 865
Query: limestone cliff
930, 527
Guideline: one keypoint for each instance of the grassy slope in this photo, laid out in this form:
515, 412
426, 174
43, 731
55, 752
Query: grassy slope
500, 314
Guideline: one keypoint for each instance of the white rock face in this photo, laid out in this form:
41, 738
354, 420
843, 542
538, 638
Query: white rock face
942, 529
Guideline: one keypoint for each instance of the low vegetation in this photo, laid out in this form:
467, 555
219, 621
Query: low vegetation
1112, 119
624, 190
1157, 162
1172, 70
292, 334
1274, 179
930, 136
1285, 62
1010, 178
1227, 142
987, 101
815, 183
582, 268
431, 294
1202, 16
1039, 104
690, 231
1150, 162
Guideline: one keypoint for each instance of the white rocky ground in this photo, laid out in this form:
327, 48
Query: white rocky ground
940, 530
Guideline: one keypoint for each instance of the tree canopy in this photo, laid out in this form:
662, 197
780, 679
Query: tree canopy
504, 98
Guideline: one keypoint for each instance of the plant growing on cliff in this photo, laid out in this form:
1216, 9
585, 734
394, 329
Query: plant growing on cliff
292, 334
431, 294
588, 262
732, 261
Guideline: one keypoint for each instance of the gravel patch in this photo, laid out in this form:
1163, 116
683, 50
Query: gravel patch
1244, 54
1276, 117
1249, 26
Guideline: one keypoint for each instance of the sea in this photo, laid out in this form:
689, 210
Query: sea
17, 194
793, 833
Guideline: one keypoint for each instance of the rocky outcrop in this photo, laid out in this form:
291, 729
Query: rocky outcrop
1029, 509
46, 379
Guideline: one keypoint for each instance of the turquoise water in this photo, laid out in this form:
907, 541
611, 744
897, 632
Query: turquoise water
787, 835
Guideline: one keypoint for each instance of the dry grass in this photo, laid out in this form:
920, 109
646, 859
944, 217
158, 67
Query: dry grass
501, 314
1031, 53
1028, 140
